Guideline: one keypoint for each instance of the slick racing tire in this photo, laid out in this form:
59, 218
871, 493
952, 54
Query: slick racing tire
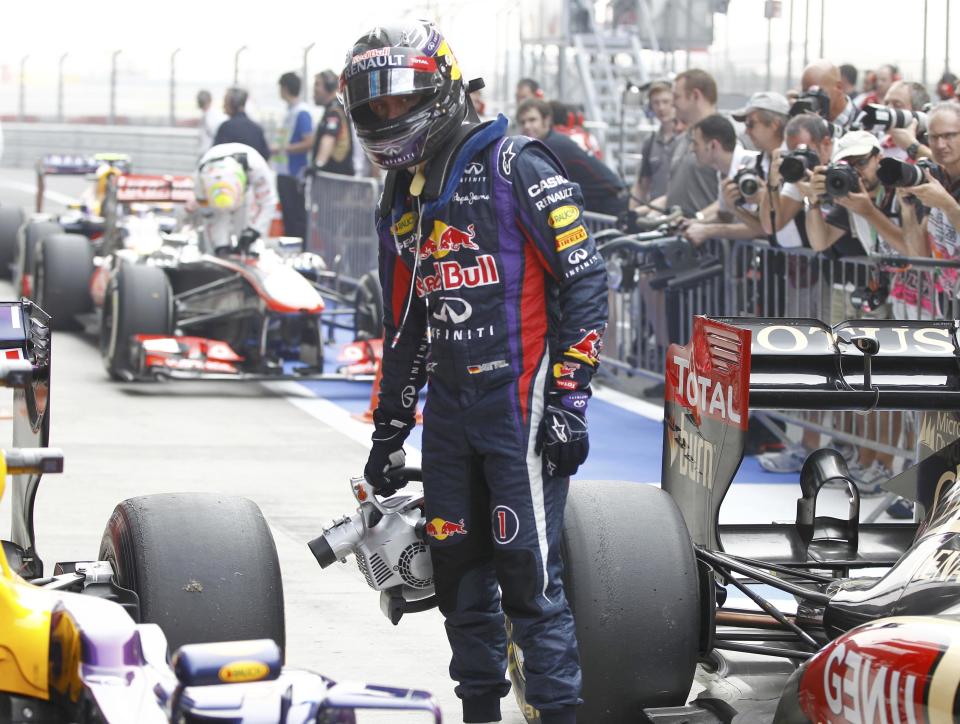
24, 261
139, 300
630, 576
11, 219
203, 566
368, 307
64, 265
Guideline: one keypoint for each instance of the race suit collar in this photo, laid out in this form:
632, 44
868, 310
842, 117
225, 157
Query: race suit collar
442, 179
444, 175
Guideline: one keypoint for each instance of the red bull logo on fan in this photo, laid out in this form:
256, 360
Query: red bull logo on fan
442, 529
444, 239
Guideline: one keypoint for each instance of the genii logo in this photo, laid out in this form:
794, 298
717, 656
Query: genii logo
563, 216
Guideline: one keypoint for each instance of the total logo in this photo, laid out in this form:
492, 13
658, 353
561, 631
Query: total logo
441, 529
444, 239
450, 275
702, 393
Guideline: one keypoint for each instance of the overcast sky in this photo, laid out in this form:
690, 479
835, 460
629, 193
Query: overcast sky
865, 32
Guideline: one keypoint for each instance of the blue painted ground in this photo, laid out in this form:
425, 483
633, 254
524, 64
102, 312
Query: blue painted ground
624, 445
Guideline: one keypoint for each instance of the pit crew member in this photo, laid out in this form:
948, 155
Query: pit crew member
494, 291
237, 193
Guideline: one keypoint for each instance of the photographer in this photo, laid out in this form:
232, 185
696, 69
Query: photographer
766, 117
783, 205
715, 146
823, 85
902, 143
858, 223
937, 235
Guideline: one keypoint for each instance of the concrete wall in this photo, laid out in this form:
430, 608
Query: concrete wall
152, 149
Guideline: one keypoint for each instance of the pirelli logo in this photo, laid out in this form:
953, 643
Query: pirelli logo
405, 225
571, 238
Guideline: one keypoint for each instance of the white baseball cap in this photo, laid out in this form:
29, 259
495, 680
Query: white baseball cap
764, 101
856, 143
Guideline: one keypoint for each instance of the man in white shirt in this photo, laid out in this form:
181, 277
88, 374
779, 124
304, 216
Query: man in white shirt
209, 122
715, 145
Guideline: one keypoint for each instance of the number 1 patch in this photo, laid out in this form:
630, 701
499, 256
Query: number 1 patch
506, 524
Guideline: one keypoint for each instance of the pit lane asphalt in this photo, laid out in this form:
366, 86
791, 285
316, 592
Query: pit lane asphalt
124, 440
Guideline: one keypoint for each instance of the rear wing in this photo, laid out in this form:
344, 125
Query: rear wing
56, 164
732, 365
141, 188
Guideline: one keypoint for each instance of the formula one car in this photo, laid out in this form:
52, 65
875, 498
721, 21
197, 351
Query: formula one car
20, 233
166, 309
131, 636
875, 628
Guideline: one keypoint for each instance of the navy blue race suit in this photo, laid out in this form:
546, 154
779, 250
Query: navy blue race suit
509, 303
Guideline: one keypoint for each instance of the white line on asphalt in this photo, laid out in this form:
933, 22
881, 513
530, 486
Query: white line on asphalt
333, 415
628, 403
55, 196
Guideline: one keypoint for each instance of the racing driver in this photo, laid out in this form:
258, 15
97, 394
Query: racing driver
493, 289
237, 193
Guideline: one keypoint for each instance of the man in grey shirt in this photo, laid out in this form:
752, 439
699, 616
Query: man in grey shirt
691, 186
657, 150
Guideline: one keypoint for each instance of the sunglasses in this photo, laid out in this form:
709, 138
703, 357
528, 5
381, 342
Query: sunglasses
859, 162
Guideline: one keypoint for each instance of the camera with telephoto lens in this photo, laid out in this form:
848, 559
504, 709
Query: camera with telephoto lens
747, 181
813, 100
841, 179
794, 165
899, 173
876, 116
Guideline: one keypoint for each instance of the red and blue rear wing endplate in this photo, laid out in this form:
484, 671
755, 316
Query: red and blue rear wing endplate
80, 165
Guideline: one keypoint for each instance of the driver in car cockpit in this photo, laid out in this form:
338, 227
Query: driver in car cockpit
237, 194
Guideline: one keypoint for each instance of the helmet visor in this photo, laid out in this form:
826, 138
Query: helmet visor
388, 72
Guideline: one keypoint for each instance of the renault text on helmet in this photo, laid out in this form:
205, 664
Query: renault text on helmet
403, 89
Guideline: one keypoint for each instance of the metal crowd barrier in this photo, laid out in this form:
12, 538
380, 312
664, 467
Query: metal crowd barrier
802, 283
657, 286
340, 223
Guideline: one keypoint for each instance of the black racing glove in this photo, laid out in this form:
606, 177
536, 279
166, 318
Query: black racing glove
246, 239
563, 431
386, 455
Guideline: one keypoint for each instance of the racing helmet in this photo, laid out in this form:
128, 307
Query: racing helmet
409, 60
224, 182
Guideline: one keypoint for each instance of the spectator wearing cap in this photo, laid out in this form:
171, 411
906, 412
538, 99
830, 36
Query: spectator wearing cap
902, 143
715, 146
865, 221
654, 173
603, 191
765, 117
